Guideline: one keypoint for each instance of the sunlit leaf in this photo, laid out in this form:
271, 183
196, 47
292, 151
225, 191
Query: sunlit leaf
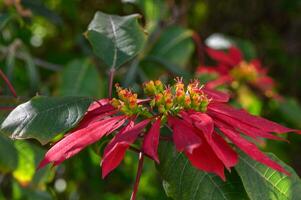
115, 39
26, 165
43, 118
249, 100
264, 183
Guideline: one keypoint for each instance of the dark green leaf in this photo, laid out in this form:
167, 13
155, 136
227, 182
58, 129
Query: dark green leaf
264, 183
290, 111
175, 69
80, 77
43, 118
115, 39
4, 19
8, 155
175, 46
184, 182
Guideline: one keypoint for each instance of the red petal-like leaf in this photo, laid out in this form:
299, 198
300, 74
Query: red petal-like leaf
245, 117
222, 80
247, 129
202, 69
216, 96
221, 57
222, 150
248, 147
151, 140
203, 122
235, 54
184, 136
119, 145
96, 111
205, 159
79, 139
113, 158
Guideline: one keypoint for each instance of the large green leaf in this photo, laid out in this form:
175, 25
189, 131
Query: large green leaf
115, 39
175, 45
8, 155
43, 118
264, 183
184, 182
81, 78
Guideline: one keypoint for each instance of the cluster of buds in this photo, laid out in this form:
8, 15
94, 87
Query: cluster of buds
127, 103
244, 71
174, 98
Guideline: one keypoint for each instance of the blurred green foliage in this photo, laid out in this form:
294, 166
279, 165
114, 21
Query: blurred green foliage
43, 51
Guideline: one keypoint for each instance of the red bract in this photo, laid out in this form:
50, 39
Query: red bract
100, 120
231, 66
202, 125
208, 150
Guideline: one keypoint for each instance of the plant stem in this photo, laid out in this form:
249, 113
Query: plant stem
7, 108
10, 86
111, 79
138, 176
37, 61
200, 50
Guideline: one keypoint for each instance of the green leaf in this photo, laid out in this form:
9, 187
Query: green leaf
248, 100
247, 48
175, 46
115, 39
290, 110
8, 155
184, 182
30, 155
29, 193
43, 118
26, 165
81, 78
175, 69
4, 19
264, 183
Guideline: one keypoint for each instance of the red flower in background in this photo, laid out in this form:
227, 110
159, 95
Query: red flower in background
231, 66
201, 121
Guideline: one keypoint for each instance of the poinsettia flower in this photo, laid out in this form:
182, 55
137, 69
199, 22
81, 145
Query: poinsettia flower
204, 127
231, 66
202, 123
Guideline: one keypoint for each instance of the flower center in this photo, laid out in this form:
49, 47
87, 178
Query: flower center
166, 100
127, 103
177, 97
244, 71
